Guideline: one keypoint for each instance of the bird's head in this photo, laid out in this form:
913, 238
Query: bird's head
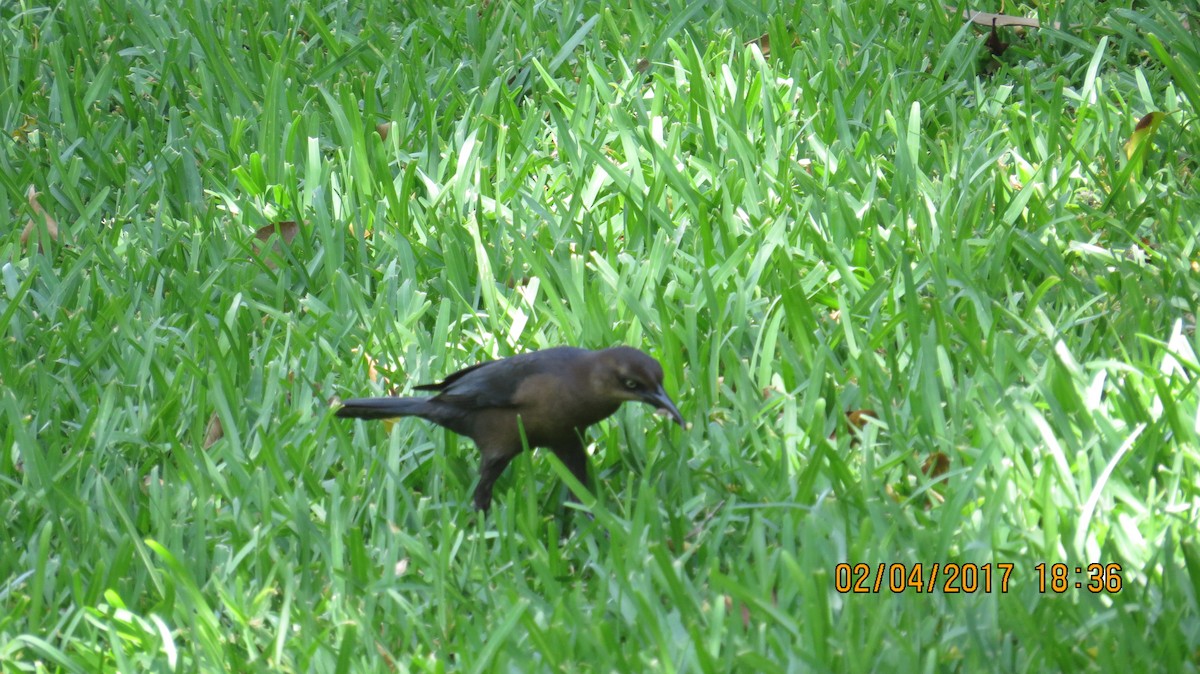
624, 373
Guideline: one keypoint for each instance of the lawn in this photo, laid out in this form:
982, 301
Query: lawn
925, 292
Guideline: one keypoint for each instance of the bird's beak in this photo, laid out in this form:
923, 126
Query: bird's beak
662, 402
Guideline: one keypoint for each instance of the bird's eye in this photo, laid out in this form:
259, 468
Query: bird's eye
631, 384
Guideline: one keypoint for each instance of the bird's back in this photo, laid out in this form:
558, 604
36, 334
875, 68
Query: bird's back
543, 395
495, 383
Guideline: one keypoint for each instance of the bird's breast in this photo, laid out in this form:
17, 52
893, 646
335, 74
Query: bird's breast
554, 408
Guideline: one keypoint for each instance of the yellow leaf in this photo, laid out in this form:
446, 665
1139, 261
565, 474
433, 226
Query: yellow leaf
39, 213
1143, 132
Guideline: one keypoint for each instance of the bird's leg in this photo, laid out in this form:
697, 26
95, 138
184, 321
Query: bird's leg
489, 471
576, 461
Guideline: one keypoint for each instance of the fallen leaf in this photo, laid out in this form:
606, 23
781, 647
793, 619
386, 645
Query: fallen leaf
745, 610
989, 19
373, 375
39, 214
994, 44
372, 372
855, 420
214, 431
22, 133
383, 129
936, 465
287, 233
1143, 132
729, 606
764, 43
858, 418
387, 657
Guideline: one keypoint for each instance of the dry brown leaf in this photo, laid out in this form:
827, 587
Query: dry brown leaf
745, 611
387, 658
991, 20
21, 133
214, 431
287, 233
373, 375
383, 129
858, 418
729, 605
994, 44
764, 43
39, 213
372, 372
936, 465
1143, 132
855, 420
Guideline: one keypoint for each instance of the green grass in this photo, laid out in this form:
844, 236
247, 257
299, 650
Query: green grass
870, 216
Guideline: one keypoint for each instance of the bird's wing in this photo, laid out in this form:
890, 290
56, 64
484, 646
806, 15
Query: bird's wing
445, 383
494, 383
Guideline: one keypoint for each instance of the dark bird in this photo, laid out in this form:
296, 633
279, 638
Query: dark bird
552, 396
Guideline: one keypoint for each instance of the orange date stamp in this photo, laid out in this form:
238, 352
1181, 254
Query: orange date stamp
969, 578
949, 577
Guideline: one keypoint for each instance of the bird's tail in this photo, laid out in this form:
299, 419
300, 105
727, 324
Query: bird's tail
381, 408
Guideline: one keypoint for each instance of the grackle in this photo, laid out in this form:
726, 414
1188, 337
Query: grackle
550, 396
